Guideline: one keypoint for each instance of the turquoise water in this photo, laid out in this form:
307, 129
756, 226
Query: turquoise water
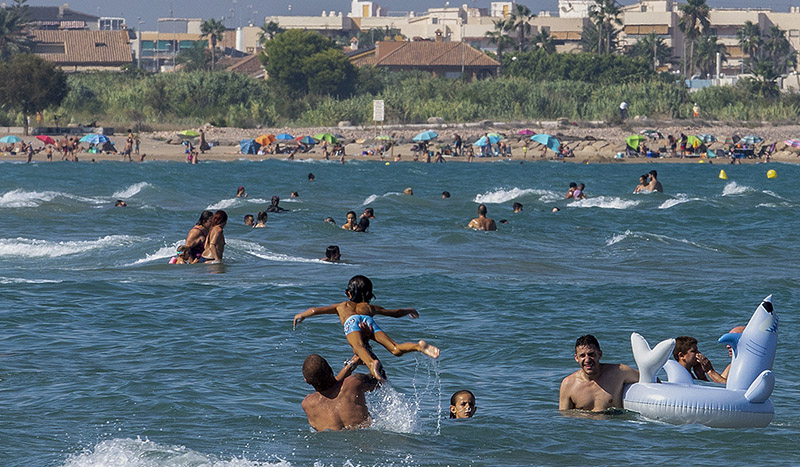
110, 356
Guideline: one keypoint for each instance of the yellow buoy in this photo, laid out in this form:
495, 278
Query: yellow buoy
387, 163
701, 161
772, 174
723, 175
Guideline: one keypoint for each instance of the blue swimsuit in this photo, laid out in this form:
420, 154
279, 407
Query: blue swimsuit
351, 324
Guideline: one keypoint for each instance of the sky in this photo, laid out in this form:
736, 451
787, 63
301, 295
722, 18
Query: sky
240, 12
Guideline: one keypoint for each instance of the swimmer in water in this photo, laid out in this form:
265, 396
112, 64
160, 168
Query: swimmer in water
445, 194
120, 204
351, 223
274, 205
356, 315
462, 404
482, 222
332, 254
310, 177
249, 221
642, 186
517, 207
262, 220
240, 192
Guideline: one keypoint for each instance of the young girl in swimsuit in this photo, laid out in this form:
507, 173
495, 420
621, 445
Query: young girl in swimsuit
356, 316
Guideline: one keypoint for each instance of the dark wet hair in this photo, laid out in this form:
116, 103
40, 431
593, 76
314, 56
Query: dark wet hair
329, 220
119, 202
262, 216
645, 176
587, 341
359, 289
363, 224
682, 345
445, 194
582, 186
220, 217
455, 395
516, 206
482, 209
204, 217
275, 200
248, 216
350, 212
333, 253
369, 211
654, 173
310, 176
318, 372
573, 185
295, 194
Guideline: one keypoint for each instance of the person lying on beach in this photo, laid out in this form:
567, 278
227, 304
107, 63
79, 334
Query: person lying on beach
595, 386
642, 186
356, 315
462, 404
482, 222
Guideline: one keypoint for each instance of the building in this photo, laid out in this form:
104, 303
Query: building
81, 50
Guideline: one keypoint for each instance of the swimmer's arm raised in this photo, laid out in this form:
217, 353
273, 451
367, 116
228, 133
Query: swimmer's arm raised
323, 310
349, 367
396, 313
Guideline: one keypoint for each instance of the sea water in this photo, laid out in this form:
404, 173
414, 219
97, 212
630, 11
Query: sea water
110, 356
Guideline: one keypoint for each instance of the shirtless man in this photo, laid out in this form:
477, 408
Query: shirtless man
338, 403
596, 386
482, 222
654, 185
685, 352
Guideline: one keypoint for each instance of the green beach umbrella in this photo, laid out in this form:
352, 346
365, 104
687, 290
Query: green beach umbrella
326, 137
693, 141
634, 141
189, 133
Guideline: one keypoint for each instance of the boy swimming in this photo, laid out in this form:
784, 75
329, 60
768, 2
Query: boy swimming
356, 316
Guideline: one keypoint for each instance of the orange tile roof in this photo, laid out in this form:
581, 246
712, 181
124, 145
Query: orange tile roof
647, 29
433, 54
85, 48
566, 35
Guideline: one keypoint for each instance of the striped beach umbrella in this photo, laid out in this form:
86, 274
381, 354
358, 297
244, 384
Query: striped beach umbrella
751, 139
795, 143
707, 138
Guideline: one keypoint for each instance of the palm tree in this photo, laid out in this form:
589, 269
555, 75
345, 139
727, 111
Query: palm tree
545, 41
652, 48
268, 31
590, 42
694, 20
707, 50
499, 37
765, 81
194, 58
749, 40
779, 50
213, 30
14, 37
518, 22
605, 14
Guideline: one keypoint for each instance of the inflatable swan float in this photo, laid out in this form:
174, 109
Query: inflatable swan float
743, 402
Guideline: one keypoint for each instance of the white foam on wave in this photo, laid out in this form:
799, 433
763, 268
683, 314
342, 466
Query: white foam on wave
125, 452
680, 198
131, 191
30, 199
605, 202
391, 411
33, 248
260, 252
617, 238
164, 252
19, 280
502, 195
224, 204
732, 188
373, 198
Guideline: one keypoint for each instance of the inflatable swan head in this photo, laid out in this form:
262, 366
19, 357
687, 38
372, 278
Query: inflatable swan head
754, 348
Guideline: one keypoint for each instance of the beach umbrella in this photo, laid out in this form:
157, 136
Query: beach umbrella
265, 140
731, 139
326, 137
10, 139
548, 140
94, 139
383, 138
751, 139
495, 137
482, 141
634, 141
693, 141
526, 132
308, 140
426, 135
707, 138
284, 137
46, 139
189, 133
249, 146
654, 134
795, 143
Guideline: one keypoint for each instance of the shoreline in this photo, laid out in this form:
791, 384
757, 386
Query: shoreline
591, 144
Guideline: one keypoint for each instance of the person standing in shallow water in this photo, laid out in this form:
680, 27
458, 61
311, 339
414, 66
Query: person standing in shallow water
215, 242
482, 222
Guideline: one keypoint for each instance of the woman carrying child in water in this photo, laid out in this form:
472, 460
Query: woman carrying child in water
356, 315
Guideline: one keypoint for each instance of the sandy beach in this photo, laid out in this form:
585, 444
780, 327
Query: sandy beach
591, 142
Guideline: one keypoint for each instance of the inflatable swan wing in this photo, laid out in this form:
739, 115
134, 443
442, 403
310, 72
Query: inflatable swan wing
743, 402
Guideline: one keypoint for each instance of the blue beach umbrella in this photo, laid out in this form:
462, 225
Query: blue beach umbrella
284, 137
426, 135
548, 140
308, 140
249, 146
94, 139
10, 139
481, 142
751, 139
708, 139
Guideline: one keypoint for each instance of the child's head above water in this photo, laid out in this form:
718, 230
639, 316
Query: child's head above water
462, 404
359, 289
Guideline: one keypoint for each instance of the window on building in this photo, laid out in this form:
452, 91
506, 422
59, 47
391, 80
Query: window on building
48, 48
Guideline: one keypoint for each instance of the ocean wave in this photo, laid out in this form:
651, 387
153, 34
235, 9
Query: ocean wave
617, 238
733, 188
30, 199
373, 198
501, 195
126, 452
224, 204
131, 191
680, 198
33, 248
164, 252
605, 202
391, 411
19, 280
261, 252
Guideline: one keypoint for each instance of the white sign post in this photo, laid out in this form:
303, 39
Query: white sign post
377, 110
